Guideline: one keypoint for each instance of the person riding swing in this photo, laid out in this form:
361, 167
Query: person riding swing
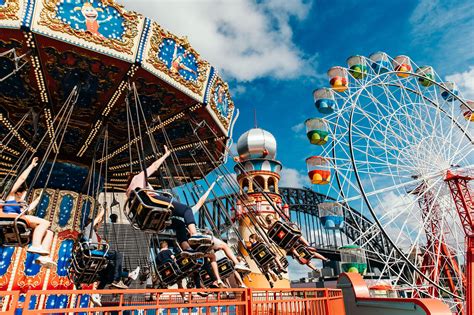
179, 210
13, 206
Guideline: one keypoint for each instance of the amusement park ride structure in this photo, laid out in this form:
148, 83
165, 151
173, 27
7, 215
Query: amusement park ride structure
92, 89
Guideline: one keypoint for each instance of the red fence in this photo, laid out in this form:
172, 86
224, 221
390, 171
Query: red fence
172, 302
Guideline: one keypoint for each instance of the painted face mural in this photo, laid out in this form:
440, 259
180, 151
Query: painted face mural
93, 17
221, 100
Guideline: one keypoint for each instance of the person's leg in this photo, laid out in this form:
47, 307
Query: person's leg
221, 245
319, 256
310, 265
118, 266
185, 212
215, 270
40, 226
280, 266
48, 240
239, 279
180, 286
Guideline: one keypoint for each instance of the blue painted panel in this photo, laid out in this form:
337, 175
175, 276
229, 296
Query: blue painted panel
65, 209
57, 301
31, 269
93, 17
2, 2
31, 306
64, 254
43, 205
6, 254
332, 222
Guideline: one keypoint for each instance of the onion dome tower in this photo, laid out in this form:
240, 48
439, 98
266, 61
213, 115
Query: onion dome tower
258, 175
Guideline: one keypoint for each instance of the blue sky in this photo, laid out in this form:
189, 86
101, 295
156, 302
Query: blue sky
275, 53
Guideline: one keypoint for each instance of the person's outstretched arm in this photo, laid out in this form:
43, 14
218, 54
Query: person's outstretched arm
138, 181
157, 164
34, 203
203, 198
100, 216
24, 176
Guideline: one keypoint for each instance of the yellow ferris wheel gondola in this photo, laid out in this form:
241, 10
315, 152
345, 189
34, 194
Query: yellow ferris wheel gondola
402, 64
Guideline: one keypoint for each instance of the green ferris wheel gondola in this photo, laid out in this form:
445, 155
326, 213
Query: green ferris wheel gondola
317, 131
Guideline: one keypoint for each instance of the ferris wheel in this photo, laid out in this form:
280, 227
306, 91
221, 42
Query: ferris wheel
390, 136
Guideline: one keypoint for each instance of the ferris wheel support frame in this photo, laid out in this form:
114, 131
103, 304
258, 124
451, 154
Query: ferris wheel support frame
445, 262
462, 197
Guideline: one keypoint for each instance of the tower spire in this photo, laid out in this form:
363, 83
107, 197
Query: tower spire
255, 117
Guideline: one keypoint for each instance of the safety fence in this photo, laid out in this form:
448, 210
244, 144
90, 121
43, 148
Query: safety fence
175, 302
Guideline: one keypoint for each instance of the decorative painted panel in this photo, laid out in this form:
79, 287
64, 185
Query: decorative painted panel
100, 25
46, 205
59, 280
7, 259
10, 13
220, 103
28, 275
84, 212
65, 211
173, 60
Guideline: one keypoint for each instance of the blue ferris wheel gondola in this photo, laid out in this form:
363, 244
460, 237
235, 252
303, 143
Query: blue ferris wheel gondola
331, 215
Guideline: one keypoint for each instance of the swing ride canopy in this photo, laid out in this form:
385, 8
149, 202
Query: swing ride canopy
109, 54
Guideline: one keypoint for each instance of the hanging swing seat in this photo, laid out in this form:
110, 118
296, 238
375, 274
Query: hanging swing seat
284, 262
283, 234
187, 265
14, 232
225, 267
303, 253
262, 255
88, 260
169, 273
149, 210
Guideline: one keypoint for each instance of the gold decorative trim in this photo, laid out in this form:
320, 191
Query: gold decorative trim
9, 10
131, 21
220, 84
157, 38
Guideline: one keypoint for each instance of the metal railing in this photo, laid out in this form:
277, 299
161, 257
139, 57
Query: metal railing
176, 302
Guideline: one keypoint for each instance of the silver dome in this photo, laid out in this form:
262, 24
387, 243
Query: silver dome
257, 143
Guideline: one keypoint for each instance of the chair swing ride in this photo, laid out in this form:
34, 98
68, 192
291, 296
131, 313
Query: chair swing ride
96, 92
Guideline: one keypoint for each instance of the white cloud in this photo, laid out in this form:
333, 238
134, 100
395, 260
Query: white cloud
434, 15
464, 81
443, 31
292, 178
298, 127
244, 40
